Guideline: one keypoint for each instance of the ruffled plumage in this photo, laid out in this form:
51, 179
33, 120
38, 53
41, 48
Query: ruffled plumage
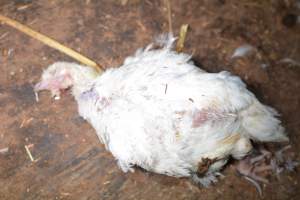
162, 113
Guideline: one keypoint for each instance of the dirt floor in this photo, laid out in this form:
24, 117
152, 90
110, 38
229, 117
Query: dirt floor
70, 162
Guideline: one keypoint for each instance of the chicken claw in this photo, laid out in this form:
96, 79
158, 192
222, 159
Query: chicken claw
252, 168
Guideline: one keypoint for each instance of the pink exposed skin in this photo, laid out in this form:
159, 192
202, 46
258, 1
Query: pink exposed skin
208, 114
200, 117
55, 85
62, 82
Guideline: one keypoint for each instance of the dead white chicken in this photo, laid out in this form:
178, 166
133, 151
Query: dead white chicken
162, 113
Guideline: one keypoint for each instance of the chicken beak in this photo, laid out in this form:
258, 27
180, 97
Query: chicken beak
46, 85
42, 85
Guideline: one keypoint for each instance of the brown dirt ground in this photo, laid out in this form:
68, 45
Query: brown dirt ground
71, 163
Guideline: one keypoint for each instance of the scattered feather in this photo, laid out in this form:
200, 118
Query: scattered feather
242, 51
281, 162
36, 96
264, 66
165, 40
290, 61
4, 150
290, 165
57, 98
279, 154
9, 52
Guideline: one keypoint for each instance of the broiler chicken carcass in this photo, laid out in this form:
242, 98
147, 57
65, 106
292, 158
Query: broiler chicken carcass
162, 113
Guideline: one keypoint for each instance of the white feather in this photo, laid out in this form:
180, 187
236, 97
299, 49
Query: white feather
242, 51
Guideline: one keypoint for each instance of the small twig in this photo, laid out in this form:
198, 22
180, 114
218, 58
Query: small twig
36, 96
50, 42
25, 122
166, 88
169, 15
3, 35
181, 39
106, 182
32, 22
29, 153
140, 24
124, 2
23, 7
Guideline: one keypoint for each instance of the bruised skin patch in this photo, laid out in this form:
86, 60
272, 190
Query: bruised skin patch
104, 101
89, 94
93, 95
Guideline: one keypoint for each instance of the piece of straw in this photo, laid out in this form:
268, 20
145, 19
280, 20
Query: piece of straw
4, 150
182, 36
50, 42
169, 15
29, 153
